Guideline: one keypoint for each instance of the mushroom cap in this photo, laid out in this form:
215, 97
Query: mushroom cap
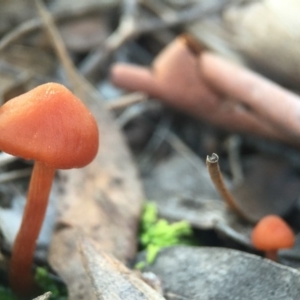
50, 125
272, 233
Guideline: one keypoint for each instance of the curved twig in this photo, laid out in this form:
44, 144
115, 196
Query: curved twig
212, 163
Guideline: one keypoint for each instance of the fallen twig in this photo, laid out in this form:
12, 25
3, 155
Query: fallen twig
16, 174
123, 33
178, 145
212, 163
79, 83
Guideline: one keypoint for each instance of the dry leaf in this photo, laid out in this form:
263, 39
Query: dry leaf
103, 200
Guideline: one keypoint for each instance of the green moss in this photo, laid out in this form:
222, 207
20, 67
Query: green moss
6, 294
158, 233
46, 283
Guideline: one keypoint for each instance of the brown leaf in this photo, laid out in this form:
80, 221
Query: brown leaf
103, 200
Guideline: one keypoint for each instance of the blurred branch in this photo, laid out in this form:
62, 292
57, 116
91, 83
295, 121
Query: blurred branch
130, 28
62, 53
123, 33
15, 174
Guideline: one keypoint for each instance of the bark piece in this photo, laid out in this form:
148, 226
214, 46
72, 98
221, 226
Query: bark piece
44, 297
111, 280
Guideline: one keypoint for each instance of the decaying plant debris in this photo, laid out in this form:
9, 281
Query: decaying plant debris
169, 82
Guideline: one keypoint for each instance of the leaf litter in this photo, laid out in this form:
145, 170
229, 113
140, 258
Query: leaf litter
99, 208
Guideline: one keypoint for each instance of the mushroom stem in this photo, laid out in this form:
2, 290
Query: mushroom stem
212, 163
272, 255
21, 277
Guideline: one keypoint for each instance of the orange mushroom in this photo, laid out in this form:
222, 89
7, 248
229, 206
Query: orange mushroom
176, 78
51, 126
271, 234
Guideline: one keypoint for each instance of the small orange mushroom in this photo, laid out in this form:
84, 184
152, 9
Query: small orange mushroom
271, 234
53, 127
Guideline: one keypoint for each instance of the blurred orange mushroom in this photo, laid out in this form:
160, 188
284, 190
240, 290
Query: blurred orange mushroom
271, 234
216, 90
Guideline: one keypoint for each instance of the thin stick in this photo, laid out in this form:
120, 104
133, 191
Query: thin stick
16, 174
48, 21
124, 32
179, 146
212, 163
126, 100
80, 85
